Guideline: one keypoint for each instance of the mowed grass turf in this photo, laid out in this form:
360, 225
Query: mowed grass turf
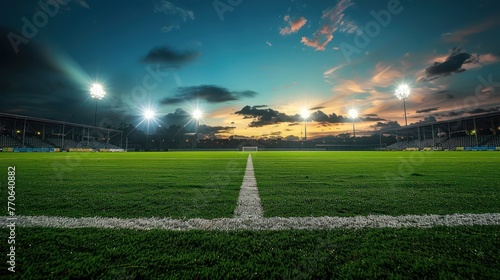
406, 253
363, 183
125, 185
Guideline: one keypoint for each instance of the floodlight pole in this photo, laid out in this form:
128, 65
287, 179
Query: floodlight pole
195, 140
95, 113
305, 130
353, 129
404, 107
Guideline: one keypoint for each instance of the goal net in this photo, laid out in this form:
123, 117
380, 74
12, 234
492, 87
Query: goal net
248, 149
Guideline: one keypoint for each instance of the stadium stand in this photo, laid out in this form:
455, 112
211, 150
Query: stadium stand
461, 141
36, 142
449, 143
493, 141
57, 142
8, 141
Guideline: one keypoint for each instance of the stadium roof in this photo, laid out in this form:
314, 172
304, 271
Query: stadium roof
48, 121
456, 122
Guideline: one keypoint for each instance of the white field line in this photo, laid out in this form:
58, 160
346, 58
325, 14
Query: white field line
276, 223
249, 206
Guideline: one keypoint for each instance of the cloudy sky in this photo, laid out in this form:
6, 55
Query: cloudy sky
251, 65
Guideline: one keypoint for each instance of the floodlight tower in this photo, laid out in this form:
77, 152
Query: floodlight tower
197, 116
305, 115
353, 114
402, 92
147, 115
97, 93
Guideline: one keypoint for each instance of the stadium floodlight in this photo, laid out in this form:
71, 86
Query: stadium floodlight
305, 115
149, 114
197, 114
353, 114
97, 93
403, 92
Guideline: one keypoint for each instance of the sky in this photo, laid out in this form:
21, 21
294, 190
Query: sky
251, 66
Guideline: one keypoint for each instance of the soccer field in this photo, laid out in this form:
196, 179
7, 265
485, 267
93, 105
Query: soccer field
203, 189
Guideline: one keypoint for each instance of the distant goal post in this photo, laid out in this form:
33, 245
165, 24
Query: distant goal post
249, 149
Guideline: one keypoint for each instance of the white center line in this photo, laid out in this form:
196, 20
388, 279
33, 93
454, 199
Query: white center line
249, 206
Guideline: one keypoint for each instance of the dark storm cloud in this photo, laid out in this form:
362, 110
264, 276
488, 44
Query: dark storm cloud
484, 110
388, 124
429, 119
470, 112
168, 57
209, 93
436, 98
206, 129
450, 114
452, 64
317, 108
31, 57
32, 83
178, 117
270, 116
320, 116
427, 110
371, 115
183, 119
441, 91
266, 116
371, 119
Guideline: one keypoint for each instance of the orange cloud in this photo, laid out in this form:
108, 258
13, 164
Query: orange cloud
385, 75
295, 25
334, 20
331, 70
315, 43
460, 35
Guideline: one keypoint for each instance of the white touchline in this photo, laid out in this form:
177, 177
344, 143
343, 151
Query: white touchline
274, 223
249, 206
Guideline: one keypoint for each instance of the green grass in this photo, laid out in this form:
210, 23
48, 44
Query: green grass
432, 253
362, 183
125, 185
206, 185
